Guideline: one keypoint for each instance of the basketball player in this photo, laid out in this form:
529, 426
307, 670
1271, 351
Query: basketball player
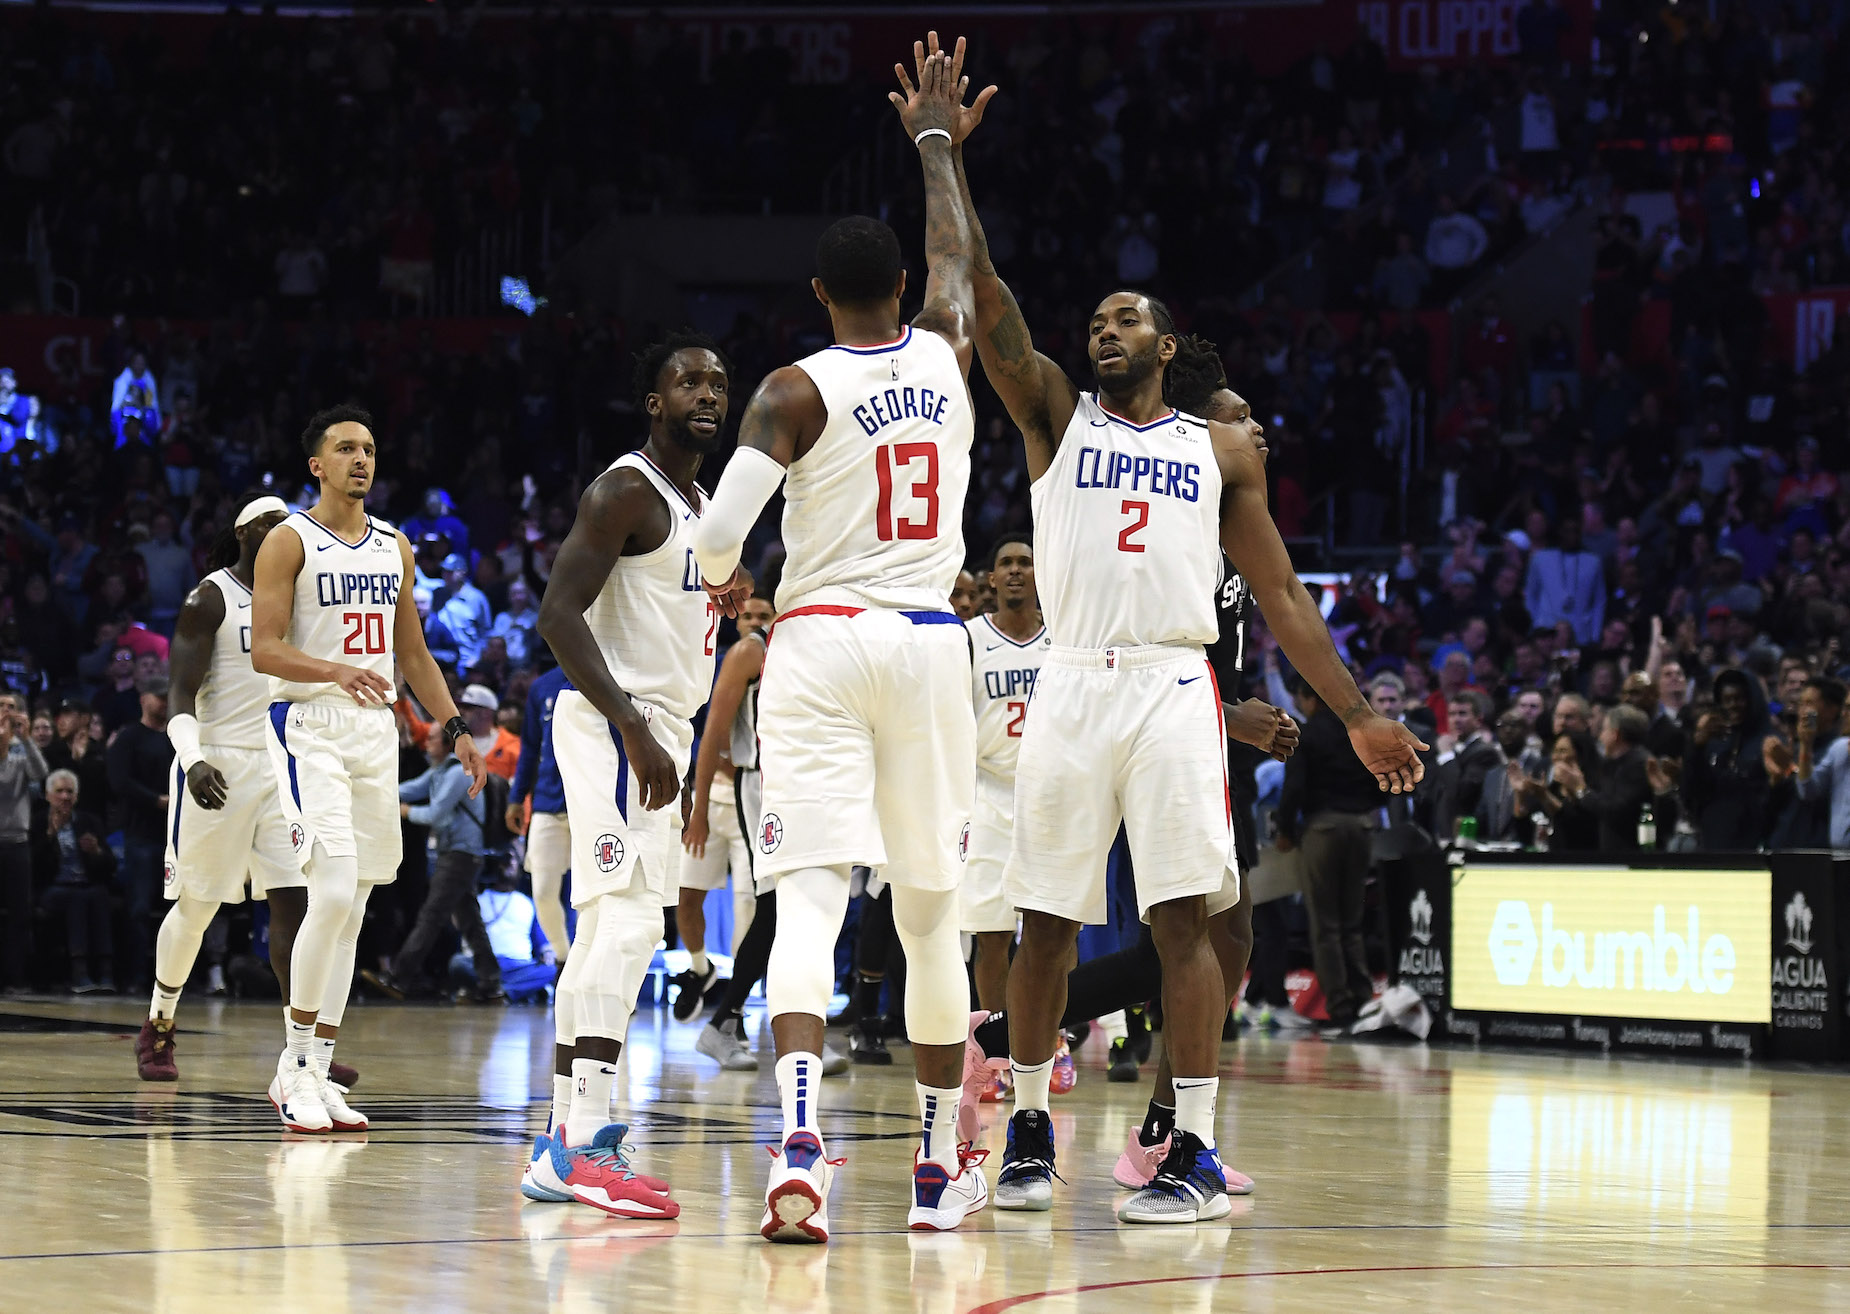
328, 614
867, 738
224, 823
633, 630
1006, 651
549, 829
1133, 502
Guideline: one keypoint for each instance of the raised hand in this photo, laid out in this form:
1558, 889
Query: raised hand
968, 116
936, 101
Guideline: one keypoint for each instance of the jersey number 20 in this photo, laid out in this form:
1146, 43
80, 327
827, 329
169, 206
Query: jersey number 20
367, 635
924, 488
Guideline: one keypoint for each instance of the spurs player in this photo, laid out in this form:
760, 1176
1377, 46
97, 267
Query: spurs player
224, 823
633, 630
328, 615
1006, 652
867, 739
1132, 503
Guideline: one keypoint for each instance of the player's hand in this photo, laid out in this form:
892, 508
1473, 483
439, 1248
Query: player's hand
1390, 751
934, 102
656, 781
1264, 727
512, 819
694, 829
367, 688
731, 595
206, 783
968, 116
473, 762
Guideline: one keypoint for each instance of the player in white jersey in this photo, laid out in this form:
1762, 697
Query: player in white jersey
1132, 504
867, 738
1006, 652
328, 615
633, 629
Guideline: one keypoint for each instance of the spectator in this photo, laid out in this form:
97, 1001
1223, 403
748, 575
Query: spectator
437, 517
1455, 241
1402, 278
440, 800
462, 610
1572, 757
1567, 583
118, 702
21, 767
1664, 736
70, 566
1448, 613
1454, 675
1473, 759
1725, 781
170, 572
500, 749
301, 273
1618, 795
1500, 817
137, 375
140, 775
518, 626
521, 948
72, 861
1824, 758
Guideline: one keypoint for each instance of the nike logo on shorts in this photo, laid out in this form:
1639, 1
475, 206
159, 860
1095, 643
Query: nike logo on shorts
1191, 679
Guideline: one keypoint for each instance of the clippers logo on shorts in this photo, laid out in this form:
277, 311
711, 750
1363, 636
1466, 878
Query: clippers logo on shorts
297, 836
608, 851
770, 833
963, 844
169, 877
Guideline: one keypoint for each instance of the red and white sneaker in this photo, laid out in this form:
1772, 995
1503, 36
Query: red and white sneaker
599, 1175
981, 1074
343, 1115
1137, 1167
941, 1201
1064, 1076
796, 1203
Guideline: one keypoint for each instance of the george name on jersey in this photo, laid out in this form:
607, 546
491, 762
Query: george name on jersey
1009, 684
356, 588
1137, 474
896, 404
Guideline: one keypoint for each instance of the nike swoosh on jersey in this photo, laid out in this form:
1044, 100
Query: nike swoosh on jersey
1191, 679
1100, 424
244, 606
992, 647
323, 547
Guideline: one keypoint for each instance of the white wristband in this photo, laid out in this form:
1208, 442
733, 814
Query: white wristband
183, 732
932, 132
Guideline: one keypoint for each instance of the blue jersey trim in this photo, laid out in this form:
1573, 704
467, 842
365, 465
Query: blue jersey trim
932, 617
1138, 428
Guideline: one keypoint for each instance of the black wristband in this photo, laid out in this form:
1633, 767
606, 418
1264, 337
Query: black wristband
453, 729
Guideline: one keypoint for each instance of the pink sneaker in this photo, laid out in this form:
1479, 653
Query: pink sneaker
1137, 1166
980, 1074
598, 1175
997, 1090
1065, 1075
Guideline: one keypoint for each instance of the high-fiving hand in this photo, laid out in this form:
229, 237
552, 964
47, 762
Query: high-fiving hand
940, 78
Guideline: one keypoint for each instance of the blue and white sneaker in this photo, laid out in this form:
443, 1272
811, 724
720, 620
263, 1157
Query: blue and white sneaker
1190, 1187
1026, 1178
530, 1184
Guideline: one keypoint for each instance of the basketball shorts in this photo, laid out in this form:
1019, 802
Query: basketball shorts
615, 842
748, 793
336, 772
726, 850
867, 743
986, 905
211, 852
549, 844
1122, 735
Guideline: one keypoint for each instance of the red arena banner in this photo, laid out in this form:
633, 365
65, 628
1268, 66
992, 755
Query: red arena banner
1801, 326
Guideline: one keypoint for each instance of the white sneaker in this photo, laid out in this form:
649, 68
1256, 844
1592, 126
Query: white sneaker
1289, 1019
834, 1062
333, 1098
796, 1203
215, 980
725, 1046
939, 1201
295, 1092
1255, 1017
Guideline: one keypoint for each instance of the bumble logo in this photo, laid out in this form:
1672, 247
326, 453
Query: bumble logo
1691, 945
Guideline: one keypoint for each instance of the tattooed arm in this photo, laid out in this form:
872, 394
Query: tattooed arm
931, 107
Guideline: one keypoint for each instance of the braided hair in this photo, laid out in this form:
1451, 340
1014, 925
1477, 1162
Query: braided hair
1194, 375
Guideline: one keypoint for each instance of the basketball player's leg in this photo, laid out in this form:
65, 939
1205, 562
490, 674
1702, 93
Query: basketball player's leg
698, 877
988, 915
549, 856
990, 961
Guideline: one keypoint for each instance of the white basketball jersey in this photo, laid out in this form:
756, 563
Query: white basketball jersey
743, 745
873, 513
233, 700
1127, 531
652, 620
1002, 675
346, 599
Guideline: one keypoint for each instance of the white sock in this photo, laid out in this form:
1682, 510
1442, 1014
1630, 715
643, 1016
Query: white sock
1031, 1082
591, 1083
321, 1053
163, 1003
938, 1116
699, 961
1112, 1027
561, 1102
799, 1079
299, 1037
1195, 1098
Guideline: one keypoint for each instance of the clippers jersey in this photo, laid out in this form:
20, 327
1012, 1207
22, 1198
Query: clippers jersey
873, 513
743, 744
233, 702
652, 620
1127, 532
346, 598
1002, 675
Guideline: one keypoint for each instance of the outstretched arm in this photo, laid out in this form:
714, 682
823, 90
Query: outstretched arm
928, 112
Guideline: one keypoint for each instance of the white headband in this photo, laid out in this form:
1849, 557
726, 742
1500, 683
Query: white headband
261, 506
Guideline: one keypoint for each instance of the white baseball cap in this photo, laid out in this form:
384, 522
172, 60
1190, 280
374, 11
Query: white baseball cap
479, 695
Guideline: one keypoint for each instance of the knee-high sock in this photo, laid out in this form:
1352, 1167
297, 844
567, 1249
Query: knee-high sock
810, 906
333, 885
177, 946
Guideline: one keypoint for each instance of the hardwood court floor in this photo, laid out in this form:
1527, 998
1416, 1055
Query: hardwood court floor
1389, 1178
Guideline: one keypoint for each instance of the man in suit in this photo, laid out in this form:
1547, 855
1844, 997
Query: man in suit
1624, 786
1474, 758
1499, 811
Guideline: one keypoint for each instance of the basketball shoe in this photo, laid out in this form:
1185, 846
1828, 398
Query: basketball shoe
796, 1203
1139, 1163
599, 1175
1190, 1187
1026, 1178
693, 987
721, 1041
1064, 1076
981, 1073
941, 1200
343, 1116
154, 1051
530, 1185
295, 1092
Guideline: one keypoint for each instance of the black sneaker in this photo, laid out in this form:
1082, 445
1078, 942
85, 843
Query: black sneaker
1190, 1187
1137, 1034
692, 985
1123, 1062
1026, 1178
867, 1045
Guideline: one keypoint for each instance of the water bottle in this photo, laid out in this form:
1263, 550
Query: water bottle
1543, 830
1467, 832
1647, 828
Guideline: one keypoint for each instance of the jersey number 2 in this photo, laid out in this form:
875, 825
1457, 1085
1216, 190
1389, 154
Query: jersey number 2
924, 489
367, 637
1018, 712
1142, 511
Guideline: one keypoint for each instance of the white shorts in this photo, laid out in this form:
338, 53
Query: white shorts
748, 793
336, 772
726, 851
986, 905
1131, 735
211, 853
549, 845
613, 837
867, 741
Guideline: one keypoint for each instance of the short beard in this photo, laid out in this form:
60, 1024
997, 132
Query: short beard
1136, 369
677, 432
